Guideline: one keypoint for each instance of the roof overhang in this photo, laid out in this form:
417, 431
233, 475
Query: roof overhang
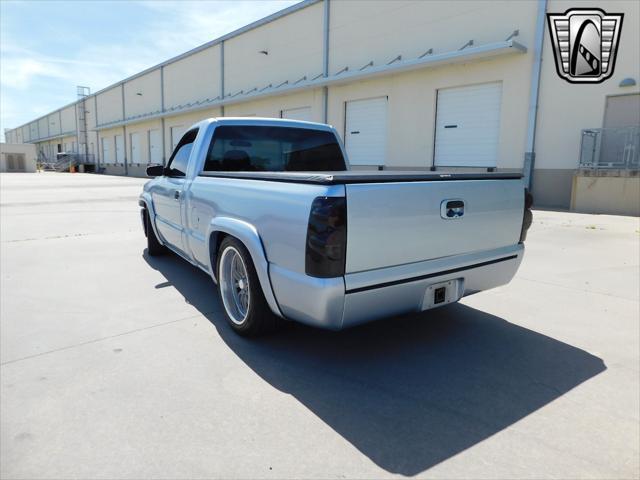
53, 137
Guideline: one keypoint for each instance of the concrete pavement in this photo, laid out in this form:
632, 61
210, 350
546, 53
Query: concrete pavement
116, 365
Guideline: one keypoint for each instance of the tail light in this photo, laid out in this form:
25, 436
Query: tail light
326, 237
527, 216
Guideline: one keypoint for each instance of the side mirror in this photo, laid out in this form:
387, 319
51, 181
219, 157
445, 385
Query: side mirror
155, 171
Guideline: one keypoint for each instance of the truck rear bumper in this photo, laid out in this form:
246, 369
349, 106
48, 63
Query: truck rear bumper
360, 297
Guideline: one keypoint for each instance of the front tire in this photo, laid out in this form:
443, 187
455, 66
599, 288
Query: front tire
154, 247
243, 301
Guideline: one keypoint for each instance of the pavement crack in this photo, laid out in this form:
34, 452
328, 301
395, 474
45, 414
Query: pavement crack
108, 337
57, 237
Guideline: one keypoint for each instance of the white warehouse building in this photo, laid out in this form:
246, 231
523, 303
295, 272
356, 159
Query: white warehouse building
433, 85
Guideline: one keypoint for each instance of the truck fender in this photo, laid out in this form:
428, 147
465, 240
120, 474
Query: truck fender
145, 202
248, 235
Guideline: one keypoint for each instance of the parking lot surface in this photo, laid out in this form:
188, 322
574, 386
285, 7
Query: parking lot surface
117, 365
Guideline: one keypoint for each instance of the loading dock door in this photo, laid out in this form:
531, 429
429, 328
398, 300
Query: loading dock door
106, 154
468, 126
135, 148
302, 113
177, 133
155, 147
120, 149
366, 131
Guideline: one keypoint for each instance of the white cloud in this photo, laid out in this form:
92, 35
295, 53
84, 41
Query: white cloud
170, 28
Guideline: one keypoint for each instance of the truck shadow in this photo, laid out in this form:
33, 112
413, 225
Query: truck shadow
407, 392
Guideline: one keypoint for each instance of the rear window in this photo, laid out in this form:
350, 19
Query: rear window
273, 149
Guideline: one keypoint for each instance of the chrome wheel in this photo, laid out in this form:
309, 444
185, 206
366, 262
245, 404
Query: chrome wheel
234, 285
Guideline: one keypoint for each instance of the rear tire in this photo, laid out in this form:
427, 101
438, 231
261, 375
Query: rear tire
154, 247
241, 295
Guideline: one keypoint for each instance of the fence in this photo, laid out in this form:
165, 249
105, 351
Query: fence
610, 148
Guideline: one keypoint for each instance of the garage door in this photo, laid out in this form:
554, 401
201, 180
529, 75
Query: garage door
176, 135
468, 126
302, 113
106, 153
155, 147
135, 148
119, 149
366, 131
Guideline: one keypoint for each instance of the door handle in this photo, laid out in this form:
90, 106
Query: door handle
450, 209
176, 194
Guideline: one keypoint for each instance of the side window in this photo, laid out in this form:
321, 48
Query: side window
180, 158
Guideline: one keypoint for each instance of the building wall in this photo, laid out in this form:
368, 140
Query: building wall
410, 28
142, 95
68, 143
92, 135
110, 105
181, 123
294, 46
272, 106
192, 79
28, 150
566, 109
363, 31
111, 164
33, 130
43, 127
68, 118
54, 123
142, 129
618, 195
412, 107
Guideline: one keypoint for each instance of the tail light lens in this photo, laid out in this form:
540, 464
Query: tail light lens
527, 216
326, 237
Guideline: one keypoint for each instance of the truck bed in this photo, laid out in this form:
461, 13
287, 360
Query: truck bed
352, 177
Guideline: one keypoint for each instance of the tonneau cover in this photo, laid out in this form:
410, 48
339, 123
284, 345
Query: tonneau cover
350, 177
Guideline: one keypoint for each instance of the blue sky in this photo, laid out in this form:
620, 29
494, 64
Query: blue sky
49, 47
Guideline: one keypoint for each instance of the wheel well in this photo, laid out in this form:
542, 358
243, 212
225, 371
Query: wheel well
214, 245
145, 217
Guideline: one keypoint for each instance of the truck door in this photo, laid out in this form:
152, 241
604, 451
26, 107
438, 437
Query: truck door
167, 196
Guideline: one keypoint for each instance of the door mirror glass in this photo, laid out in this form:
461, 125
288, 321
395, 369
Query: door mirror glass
155, 171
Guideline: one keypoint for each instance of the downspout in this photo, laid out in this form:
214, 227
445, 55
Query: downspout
124, 135
222, 77
530, 154
162, 126
98, 146
325, 62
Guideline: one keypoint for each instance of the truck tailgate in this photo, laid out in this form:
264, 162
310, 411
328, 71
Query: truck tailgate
397, 223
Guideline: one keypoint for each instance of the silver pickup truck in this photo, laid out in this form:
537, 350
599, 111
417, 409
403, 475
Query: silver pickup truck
271, 211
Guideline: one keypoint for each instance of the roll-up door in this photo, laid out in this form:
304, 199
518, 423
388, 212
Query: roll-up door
136, 154
155, 147
302, 113
366, 131
119, 149
468, 126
